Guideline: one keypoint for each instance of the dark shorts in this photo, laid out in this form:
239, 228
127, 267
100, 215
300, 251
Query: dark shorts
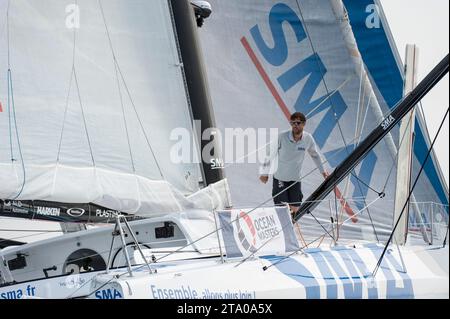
291, 195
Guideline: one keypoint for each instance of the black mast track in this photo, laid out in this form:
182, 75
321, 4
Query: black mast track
355, 157
196, 82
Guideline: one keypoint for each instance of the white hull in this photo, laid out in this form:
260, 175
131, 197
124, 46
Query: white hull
347, 273
341, 272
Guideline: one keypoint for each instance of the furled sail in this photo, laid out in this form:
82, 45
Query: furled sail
268, 59
94, 91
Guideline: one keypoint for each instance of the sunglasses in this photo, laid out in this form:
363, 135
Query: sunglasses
297, 122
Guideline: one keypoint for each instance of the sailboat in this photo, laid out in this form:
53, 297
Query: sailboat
99, 151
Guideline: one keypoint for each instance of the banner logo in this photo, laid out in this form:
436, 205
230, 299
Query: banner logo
264, 231
75, 212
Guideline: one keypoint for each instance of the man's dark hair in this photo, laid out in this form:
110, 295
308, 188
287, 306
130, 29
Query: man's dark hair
298, 116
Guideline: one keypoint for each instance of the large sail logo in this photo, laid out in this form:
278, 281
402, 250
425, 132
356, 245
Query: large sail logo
287, 33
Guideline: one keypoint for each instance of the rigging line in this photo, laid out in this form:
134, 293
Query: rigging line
68, 93
325, 85
410, 193
118, 88
11, 105
9, 117
331, 94
18, 138
323, 226
3, 27
65, 115
84, 117
357, 143
124, 117
337, 215
321, 71
7, 32
128, 91
446, 234
361, 210
140, 123
360, 103
179, 63
358, 128
364, 183
7, 81
293, 253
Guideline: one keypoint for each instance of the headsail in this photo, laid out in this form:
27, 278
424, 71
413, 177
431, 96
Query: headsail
298, 55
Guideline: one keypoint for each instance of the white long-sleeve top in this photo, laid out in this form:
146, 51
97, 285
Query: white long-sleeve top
286, 156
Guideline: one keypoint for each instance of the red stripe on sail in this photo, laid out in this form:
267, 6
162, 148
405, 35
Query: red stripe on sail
265, 77
345, 205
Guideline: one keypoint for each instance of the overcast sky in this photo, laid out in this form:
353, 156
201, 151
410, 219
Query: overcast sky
426, 24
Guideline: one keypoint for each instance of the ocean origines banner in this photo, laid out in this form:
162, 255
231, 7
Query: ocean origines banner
261, 231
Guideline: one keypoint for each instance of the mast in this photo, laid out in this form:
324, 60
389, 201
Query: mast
194, 69
353, 159
404, 157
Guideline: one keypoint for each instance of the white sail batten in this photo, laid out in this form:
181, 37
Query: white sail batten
92, 119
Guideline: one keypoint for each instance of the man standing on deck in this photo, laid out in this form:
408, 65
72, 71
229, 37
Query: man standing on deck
290, 154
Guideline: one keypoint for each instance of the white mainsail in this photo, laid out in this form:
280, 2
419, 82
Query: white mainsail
94, 90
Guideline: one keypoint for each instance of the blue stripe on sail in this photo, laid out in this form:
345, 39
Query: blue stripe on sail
420, 150
377, 54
